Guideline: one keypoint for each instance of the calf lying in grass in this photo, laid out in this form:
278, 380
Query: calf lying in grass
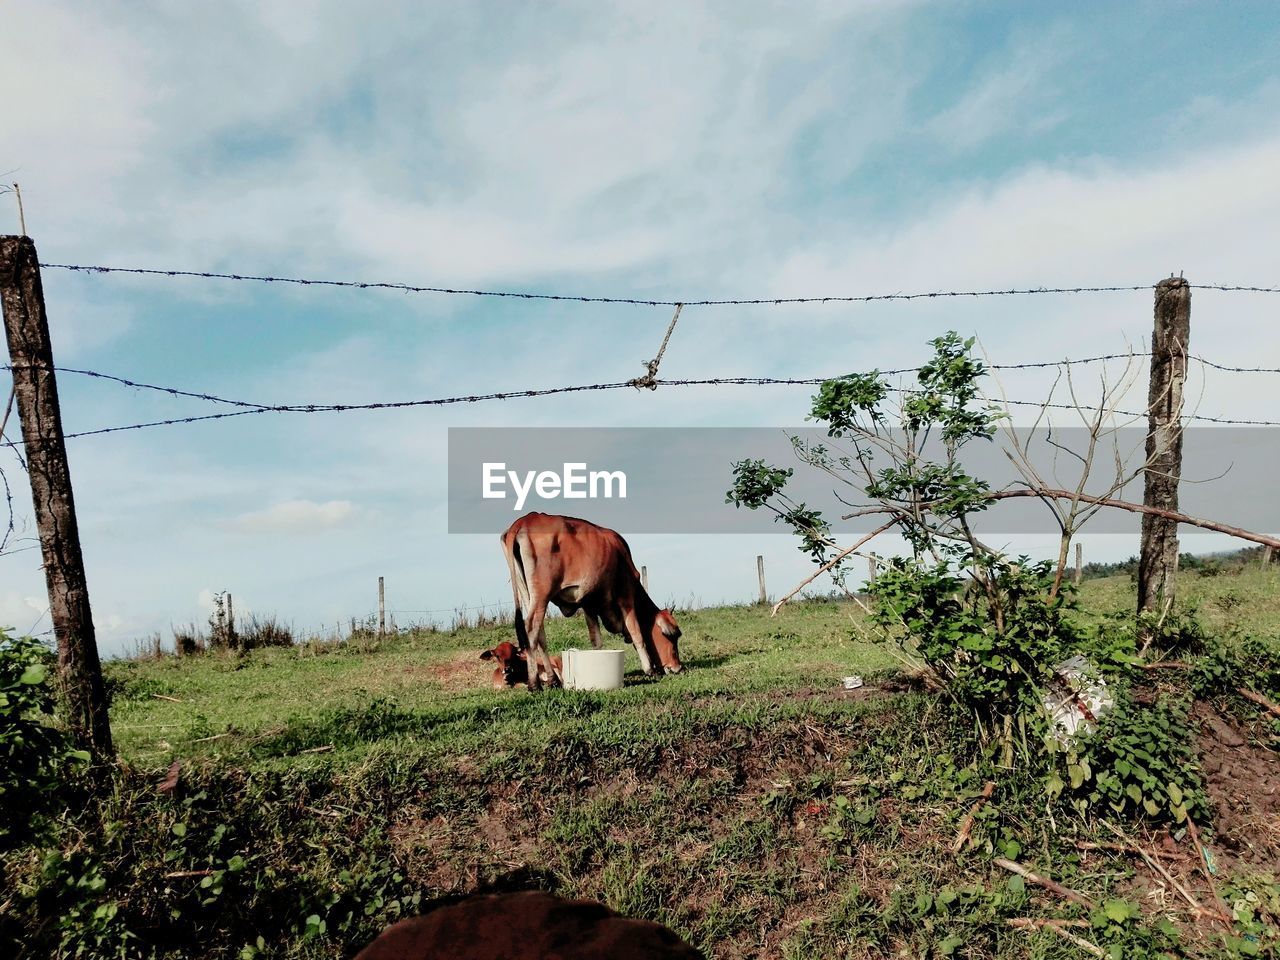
513, 667
526, 926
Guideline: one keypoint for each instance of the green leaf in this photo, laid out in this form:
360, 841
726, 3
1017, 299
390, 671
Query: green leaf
33, 675
948, 946
1118, 911
1076, 772
179, 829
1017, 884
1175, 793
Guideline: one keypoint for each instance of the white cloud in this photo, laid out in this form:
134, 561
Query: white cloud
297, 516
23, 613
1007, 97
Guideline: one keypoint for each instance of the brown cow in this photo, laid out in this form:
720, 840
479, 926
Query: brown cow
526, 926
513, 667
579, 566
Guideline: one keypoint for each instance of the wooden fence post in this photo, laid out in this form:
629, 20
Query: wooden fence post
1266, 556
1079, 562
36, 392
872, 564
764, 594
231, 622
644, 578
382, 607
1158, 561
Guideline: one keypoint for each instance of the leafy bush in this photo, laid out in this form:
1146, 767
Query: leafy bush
35, 756
1140, 762
993, 647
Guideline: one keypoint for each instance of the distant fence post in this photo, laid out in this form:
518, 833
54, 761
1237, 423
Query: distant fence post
764, 594
644, 578
35, 389
1079, 562
231, 622
382, 607
1158, 561
872, 564
1266, 556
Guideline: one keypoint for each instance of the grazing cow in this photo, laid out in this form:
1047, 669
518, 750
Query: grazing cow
513, 668
526, 926
579, 566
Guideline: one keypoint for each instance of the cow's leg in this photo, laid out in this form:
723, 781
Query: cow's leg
593, 628
538, 657
639, 641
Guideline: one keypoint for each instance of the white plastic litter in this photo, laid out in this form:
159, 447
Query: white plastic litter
851, 683
1076, 699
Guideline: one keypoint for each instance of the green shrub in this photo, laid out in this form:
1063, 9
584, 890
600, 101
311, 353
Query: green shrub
36, 757
1141, 762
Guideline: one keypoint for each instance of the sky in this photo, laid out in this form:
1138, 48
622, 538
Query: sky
655, 150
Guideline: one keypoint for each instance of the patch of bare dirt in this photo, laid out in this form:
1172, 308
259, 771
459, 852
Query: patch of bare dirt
463, 671
1242, 778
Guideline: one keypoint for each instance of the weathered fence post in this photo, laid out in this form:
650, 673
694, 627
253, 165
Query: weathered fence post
872, 564
1266, 556
231, 623
382, 607
1158, 561
36, 392
1079, 563
644, 578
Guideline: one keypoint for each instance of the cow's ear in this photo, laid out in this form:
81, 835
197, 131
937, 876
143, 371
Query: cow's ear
667, 624
487, 655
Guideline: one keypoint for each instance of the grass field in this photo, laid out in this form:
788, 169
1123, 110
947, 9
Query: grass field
750, 803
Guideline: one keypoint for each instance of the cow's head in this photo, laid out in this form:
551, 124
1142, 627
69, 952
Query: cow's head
665, 637
511, 663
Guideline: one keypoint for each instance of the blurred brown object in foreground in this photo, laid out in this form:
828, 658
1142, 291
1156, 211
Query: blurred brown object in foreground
526, 926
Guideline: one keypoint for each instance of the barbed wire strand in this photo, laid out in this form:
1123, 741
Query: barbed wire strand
584, 388
636, 301
266, 407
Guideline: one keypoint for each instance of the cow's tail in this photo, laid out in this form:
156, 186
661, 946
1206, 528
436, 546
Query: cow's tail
520, 565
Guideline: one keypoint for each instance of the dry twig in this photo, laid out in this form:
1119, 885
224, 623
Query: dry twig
1039, 881
963, 836
1059, 927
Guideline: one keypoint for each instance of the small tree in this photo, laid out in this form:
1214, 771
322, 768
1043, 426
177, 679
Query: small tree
987, 628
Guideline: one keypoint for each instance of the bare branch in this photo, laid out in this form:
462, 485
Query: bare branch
832, 562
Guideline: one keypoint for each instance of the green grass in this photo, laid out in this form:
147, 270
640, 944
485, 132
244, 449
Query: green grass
749, 803
440, 687
433, 689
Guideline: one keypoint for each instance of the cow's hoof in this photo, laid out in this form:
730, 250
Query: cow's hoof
674, 670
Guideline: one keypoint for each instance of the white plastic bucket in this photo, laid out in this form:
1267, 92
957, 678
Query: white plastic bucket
593, 669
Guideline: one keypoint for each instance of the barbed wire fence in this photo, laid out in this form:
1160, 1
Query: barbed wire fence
649, 380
